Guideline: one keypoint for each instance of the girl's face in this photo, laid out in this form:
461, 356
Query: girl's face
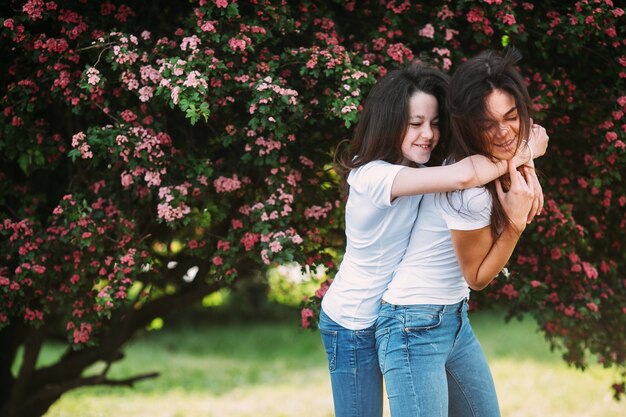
422, 134
504, 139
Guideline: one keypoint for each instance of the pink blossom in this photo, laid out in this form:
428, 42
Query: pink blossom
398, 52
322, 290
208, 27
93, 76
223, 245
152, 178
237, 44
126, 179
306, 314
82, 335
249, 239
34, 9
427, 31
169, 213
222, 4
509, 291
590, 271
174, 94
128, 116
217, 261
145, 93
32, 315
592, 307
264, 257
190, 42
224, 184
275, 246
508, 19
236, 224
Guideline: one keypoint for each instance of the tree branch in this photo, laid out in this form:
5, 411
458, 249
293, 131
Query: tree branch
71, 366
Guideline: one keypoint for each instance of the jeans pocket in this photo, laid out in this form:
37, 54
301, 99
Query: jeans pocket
421, 320
329, 339
382, 341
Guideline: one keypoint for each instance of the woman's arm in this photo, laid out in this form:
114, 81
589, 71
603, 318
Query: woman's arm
481, 257
469, 172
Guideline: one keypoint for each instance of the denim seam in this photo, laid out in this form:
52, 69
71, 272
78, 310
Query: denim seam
462, 389
407, 357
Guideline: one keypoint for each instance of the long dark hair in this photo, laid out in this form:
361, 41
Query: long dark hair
384, 119
470, 122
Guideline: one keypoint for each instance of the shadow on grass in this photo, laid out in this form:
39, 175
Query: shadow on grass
215, 358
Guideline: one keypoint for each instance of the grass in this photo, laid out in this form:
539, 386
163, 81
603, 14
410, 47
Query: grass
265, 369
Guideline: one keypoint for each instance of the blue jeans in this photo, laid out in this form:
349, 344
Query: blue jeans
432, 362
355, 376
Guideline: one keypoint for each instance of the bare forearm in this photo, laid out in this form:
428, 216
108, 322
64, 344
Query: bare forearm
497, 257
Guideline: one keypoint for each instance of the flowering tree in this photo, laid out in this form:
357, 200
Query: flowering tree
155, 152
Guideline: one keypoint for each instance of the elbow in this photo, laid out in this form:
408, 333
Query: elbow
478, 286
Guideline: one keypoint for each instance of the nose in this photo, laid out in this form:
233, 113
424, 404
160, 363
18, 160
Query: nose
427, 132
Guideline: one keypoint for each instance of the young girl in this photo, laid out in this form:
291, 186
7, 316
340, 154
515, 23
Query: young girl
432, 363
401, 123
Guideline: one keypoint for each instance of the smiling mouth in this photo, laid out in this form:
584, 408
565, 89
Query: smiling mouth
506, 144
424, 147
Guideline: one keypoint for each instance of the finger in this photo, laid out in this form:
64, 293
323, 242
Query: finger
533, 210
530, 182
499, 188
513, 173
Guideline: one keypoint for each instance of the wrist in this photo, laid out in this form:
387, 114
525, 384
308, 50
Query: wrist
530, 149
515, 228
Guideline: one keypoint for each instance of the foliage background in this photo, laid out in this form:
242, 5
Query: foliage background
157, 152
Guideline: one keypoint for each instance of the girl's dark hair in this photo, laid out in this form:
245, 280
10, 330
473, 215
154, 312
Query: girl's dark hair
470, 122
385, 116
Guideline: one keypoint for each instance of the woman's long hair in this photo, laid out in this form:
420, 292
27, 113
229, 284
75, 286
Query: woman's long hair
470, 122
384, 119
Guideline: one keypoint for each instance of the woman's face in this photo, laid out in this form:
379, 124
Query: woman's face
504, 139
422, 134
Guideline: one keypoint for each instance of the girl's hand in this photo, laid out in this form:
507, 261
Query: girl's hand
529, 172
538, 139
518, 201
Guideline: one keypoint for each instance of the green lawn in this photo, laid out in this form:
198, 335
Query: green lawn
265, 370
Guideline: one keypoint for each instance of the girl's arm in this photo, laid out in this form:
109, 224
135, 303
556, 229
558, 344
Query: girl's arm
481, 257
469, 172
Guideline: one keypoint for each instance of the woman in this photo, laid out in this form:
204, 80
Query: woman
432, 363
402, 121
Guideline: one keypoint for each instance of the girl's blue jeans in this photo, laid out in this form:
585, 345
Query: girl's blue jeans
432, 363
355, 376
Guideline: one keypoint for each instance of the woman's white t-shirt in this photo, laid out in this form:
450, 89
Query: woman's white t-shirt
377, 234
429, 273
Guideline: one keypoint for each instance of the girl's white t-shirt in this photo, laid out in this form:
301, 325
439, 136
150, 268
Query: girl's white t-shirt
377, 234
429, 273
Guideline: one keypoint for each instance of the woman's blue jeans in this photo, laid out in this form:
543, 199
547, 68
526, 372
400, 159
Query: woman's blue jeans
432, 363
355, 376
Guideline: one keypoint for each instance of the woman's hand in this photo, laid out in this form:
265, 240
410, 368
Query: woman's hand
518, 200
529, 172
538, 140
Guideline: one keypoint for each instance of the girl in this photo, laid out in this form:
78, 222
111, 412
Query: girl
401, 123
432, 363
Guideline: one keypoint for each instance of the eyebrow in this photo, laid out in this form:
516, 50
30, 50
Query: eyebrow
511, 110
419, 116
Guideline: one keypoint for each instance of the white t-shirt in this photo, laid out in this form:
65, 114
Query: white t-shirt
377, 234
429, 272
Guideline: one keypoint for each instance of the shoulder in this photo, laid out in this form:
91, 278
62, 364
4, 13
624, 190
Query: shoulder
373, 171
